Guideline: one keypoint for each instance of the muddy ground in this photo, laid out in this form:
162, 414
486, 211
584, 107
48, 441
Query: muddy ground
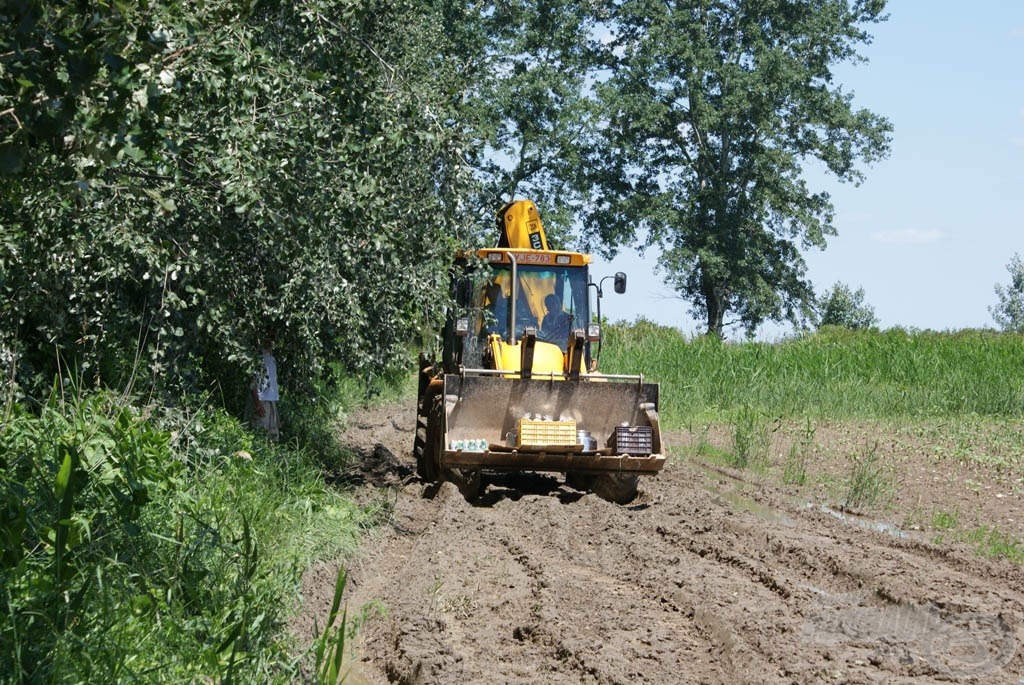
713, 575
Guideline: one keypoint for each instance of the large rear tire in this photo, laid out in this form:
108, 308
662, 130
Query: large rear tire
430, 437
577, 480
420, 447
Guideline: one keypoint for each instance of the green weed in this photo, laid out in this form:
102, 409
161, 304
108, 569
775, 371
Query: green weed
330, 645
870, 480
794, 469
751, 439
711, 452
435, 592
991, 542
154, 546
945, 520
701, 444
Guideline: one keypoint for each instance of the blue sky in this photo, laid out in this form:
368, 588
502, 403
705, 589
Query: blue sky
930, 231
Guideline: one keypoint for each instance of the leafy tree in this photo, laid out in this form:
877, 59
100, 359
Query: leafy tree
713, 108
178, 177
846, 308
523, 110
1009, 312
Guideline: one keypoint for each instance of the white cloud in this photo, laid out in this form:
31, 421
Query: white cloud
907, 236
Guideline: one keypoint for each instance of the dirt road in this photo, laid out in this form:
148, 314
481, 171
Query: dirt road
712, 575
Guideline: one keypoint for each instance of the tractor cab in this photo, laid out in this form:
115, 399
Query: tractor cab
525, 308
530, 300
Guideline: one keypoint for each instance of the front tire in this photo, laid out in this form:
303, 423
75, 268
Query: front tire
430, 437
615, 487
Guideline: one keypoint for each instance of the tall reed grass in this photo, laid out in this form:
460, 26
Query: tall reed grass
832, 374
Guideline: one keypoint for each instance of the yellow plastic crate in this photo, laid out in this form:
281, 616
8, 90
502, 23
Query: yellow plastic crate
534, 433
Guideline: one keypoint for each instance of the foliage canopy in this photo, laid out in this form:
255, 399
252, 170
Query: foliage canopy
179, 178
1009, 311
524, 115
176, 179
712, 111
846, 308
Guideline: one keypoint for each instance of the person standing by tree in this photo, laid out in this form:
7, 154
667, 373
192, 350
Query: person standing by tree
264, 393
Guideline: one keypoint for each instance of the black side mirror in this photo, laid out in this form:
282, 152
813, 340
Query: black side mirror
620, 282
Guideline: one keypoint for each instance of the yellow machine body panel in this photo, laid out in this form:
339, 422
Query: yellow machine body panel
548, 359
504, 255
521, 226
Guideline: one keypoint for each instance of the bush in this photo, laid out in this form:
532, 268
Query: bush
163, 549
76, 479
1009, 312
846, 308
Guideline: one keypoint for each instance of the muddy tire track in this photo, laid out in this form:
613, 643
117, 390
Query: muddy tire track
537, 582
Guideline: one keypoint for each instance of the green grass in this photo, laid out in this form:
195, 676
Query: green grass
750, 439
945, 520
988, 541
155, 545
794, 471
991, 542
330, 644
702, 446
833, 375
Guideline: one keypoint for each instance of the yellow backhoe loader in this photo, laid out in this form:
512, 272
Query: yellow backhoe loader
518, 388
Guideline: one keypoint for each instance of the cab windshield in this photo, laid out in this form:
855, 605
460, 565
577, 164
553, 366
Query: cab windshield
553, 300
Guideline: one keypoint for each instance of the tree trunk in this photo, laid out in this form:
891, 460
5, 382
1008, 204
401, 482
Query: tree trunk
715, 326
714, 303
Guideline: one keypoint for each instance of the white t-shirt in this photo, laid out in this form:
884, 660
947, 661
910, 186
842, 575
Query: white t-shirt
266, 388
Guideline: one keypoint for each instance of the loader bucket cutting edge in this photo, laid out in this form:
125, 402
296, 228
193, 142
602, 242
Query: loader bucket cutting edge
489, 408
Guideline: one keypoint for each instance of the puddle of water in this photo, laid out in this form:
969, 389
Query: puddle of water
861, 521
741, 502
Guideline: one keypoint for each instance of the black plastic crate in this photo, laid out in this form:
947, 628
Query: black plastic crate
635, 440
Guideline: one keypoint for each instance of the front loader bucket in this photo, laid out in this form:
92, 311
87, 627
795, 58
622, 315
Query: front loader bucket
489, 408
